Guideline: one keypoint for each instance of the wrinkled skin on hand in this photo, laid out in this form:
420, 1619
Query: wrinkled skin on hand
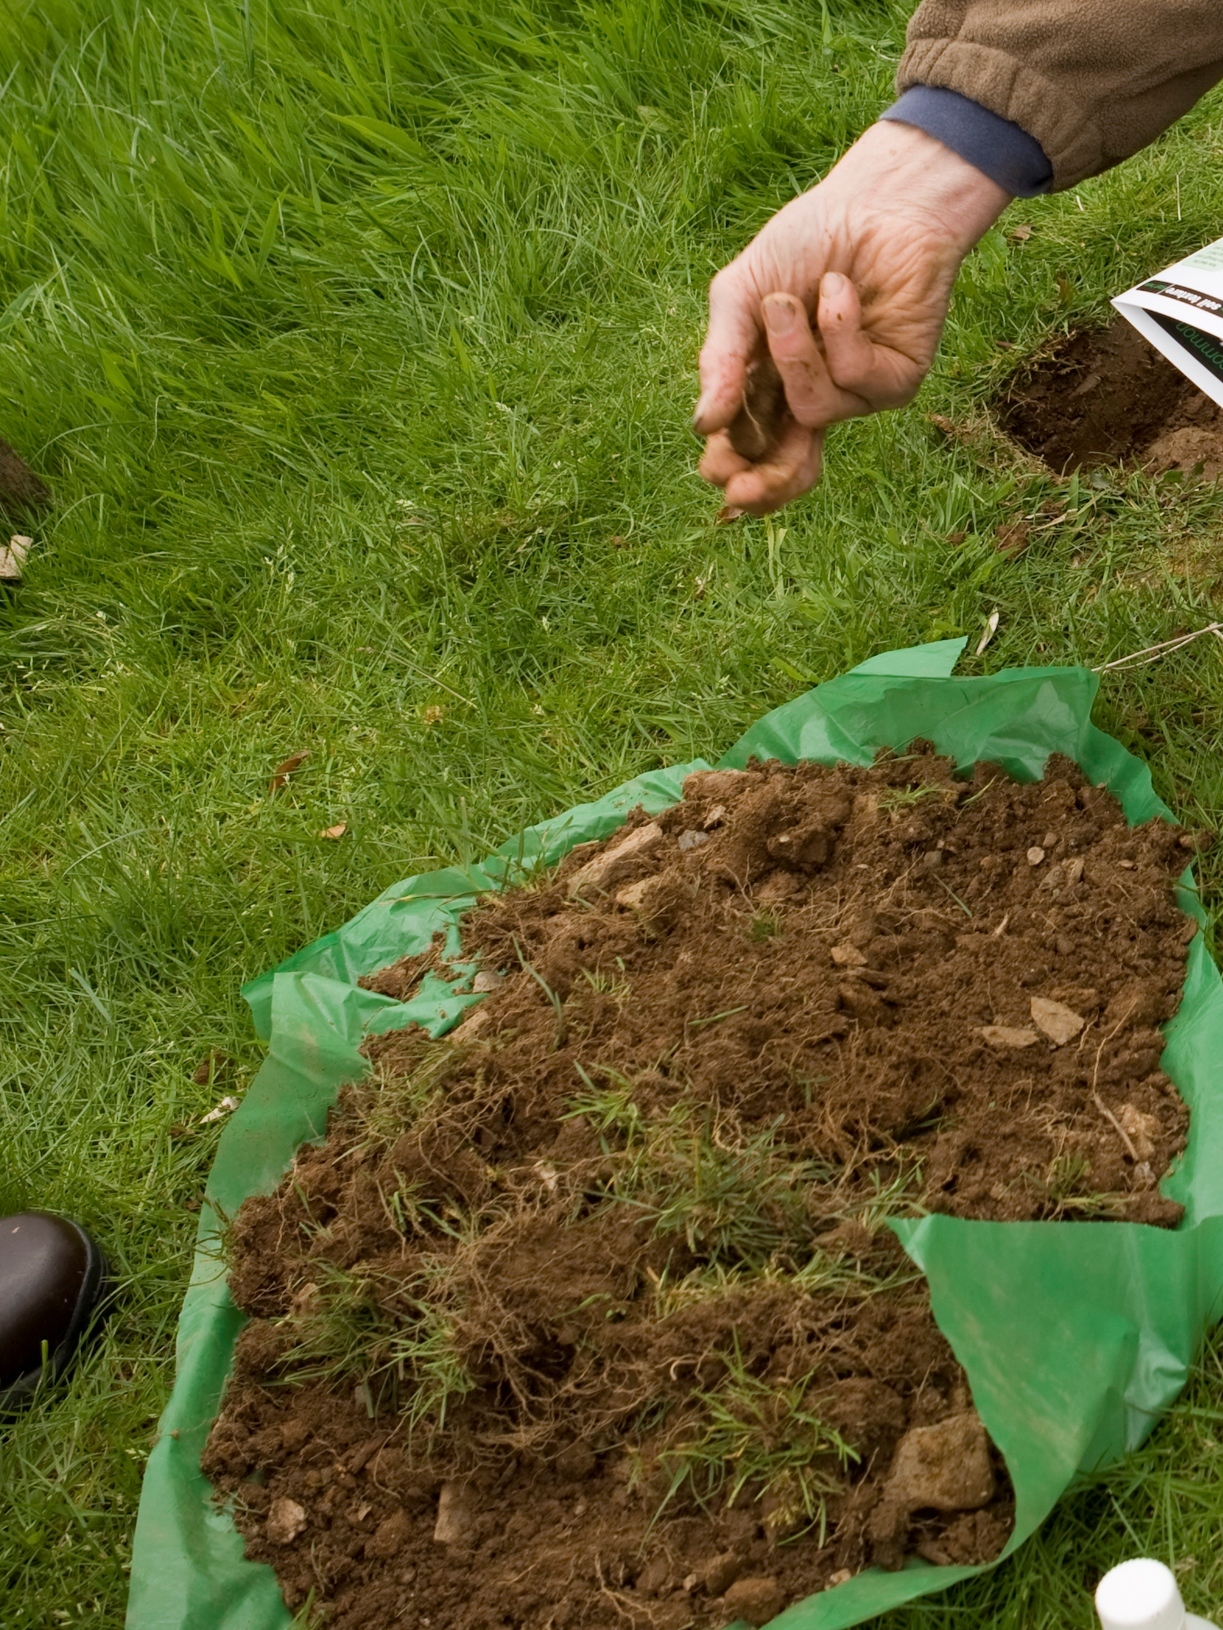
848, 287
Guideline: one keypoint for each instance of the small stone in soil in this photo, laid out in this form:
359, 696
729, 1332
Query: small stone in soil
691, 840
1059, 1022
286, 1519
611, 865
455, 1513
1005, 1035
847, 956
470, 1027
1138, 1128
1035, 855
633, 894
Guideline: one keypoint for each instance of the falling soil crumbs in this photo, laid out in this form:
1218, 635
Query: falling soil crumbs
1108, 396
588, 1314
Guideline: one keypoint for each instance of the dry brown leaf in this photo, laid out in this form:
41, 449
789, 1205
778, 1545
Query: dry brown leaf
286, 767
1019, 234
336, 831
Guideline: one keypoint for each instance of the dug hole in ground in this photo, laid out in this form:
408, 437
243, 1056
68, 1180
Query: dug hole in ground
590, 1312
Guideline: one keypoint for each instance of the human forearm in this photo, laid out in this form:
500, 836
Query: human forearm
1091, 80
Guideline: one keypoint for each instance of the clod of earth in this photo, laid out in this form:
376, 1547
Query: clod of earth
757, 1600
946, 1467
606, 1266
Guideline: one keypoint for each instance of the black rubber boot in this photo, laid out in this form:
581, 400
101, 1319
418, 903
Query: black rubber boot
53, 1279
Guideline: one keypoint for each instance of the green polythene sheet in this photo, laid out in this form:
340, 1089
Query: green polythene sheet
1075, 1336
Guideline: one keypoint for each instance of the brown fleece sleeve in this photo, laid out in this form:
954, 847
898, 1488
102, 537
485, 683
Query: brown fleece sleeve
1092, 80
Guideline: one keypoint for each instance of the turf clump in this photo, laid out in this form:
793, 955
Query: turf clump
592, 1309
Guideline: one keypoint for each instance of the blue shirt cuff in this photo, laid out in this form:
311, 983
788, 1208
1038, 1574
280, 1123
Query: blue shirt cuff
1000, 149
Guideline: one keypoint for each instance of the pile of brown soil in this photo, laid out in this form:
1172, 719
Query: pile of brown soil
1107, 397
587, 1315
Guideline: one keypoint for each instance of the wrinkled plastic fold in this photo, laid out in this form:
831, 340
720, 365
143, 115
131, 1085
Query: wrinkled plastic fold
1075, 1336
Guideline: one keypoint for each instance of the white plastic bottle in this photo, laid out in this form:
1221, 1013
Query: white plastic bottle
1143, 1595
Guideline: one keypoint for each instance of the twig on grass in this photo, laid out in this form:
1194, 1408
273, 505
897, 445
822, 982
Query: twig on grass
1152, 653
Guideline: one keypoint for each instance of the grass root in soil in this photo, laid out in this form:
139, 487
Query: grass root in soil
589, 1313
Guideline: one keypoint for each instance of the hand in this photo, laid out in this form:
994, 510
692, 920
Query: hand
869, 255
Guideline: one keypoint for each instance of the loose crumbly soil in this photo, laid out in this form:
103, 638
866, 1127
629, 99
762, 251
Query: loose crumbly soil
588, 1315
1108, 397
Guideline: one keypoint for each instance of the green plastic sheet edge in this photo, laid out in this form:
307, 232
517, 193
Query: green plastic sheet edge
1075, 1336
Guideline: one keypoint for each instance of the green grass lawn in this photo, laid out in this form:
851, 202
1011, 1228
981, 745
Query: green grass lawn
358, 344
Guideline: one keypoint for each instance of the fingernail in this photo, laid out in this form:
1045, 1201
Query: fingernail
830, 284
779, 316
698, 414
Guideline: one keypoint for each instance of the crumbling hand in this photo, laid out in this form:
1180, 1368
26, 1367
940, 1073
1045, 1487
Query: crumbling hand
869, 255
